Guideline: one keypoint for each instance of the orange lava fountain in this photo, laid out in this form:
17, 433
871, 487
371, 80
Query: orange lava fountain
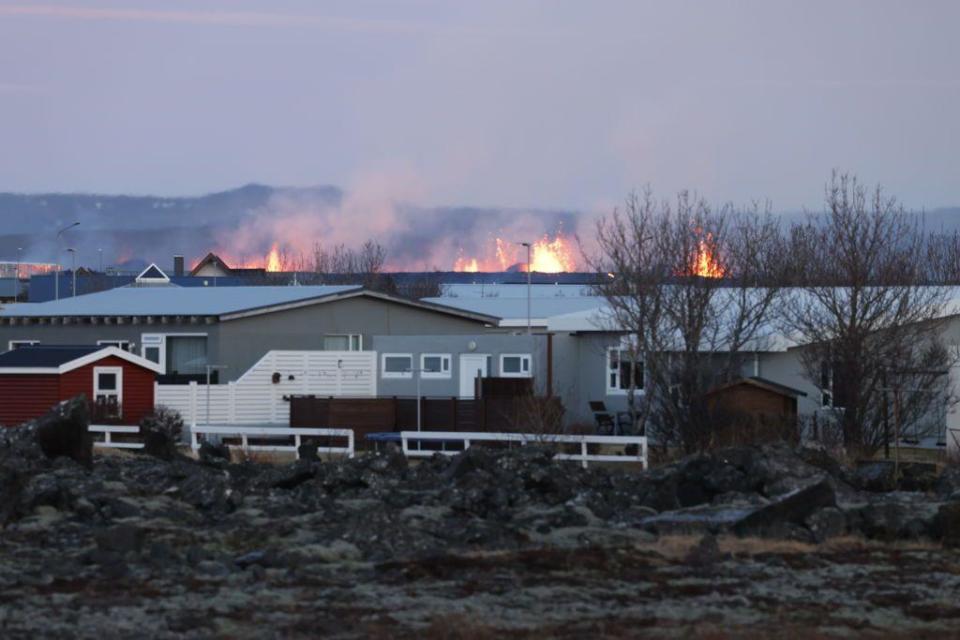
705, 263
546, 256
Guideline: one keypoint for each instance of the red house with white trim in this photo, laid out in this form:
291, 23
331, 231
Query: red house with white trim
33, 379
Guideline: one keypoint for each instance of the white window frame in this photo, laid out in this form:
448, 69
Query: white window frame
115, 343
118, 371
396, 374
445, 365
525, 358
148, 340
352, 338
611, 375
828, 394
15, 344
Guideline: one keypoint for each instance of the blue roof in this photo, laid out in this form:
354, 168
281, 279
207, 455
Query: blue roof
173, 301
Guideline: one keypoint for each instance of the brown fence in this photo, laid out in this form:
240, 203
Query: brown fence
371, 415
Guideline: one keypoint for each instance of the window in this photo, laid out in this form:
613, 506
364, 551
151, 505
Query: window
435, 365
176, 353
397, 365
16, 344
515, 365
107, 391
119, 344
186, 354
832, 392
621, 371
343, 342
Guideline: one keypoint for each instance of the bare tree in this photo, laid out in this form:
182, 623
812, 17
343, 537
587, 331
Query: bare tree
682, 282
364, 266
631, 275
867, 313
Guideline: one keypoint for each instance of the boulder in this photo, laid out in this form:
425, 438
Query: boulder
829, 522
215, 455
877, 476
64, 431
948, 484
917, 476
946, 525
793, 508
894, 517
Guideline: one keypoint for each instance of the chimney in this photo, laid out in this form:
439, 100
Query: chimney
178, 265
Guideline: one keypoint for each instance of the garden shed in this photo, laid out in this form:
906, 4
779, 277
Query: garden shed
119, 384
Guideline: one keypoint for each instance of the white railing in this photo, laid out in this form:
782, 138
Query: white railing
246, 432
584, 456
108, 430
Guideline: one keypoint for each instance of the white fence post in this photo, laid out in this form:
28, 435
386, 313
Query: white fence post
193, 402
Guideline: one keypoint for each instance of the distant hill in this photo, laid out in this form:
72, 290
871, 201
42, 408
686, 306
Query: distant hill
245, 222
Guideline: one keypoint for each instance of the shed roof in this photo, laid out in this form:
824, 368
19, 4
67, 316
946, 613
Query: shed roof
760, 383
43, 355
58, 359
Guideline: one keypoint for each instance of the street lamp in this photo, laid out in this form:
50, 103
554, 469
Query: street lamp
100, 251
528, 246
73, 270
16, 276
56, 282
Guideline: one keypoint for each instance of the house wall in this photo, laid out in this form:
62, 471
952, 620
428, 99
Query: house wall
26, 396
244, 341
456, 345
89, 334
239, 344
586, 373
138, 387
785, 367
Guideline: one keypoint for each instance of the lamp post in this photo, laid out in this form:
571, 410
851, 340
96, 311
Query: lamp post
56, 281
73, 271
419, 375
528, 246
16, 276
100, 268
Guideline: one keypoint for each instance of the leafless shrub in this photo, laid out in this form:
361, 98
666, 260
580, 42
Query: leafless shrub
681, 281
869, 318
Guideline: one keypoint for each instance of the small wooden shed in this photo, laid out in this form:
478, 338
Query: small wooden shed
119, 384
756, 397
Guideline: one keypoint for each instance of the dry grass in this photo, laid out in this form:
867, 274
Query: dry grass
676, 547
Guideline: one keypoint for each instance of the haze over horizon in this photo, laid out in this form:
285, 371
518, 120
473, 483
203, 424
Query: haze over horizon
530, 105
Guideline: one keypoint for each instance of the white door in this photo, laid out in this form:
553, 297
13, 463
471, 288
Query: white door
471, 366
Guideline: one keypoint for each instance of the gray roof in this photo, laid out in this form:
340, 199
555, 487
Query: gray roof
173, 301
516, 308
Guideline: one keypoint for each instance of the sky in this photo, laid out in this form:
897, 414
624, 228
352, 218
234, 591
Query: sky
535, 104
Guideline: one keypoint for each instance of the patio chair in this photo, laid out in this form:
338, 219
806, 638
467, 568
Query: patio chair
609, 423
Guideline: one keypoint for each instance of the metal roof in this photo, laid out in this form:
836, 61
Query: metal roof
515, 309
173, 301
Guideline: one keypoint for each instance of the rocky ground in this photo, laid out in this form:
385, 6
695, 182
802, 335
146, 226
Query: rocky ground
745, 542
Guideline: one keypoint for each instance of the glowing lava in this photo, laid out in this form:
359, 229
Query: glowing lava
273, 262
705, 263
546, 256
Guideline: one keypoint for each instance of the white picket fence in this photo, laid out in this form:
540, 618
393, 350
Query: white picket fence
272, 433
408, 437
107, 430
256, 398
